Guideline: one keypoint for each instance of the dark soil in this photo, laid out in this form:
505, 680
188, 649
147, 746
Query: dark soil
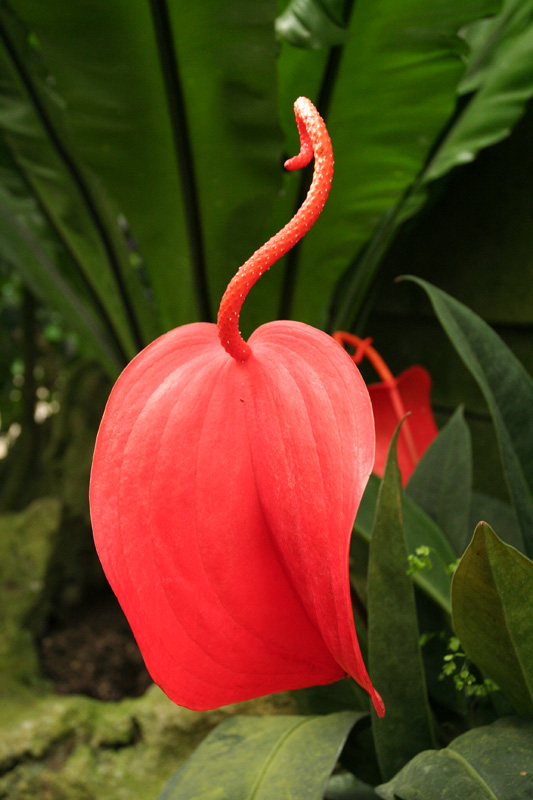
95, 654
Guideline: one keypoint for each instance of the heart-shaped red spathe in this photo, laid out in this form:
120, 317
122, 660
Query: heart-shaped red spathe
225, 482
230, 489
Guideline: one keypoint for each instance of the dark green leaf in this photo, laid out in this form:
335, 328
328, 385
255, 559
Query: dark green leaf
348, 787
500, 72
32, 127
508, 391
492, 602
29, 245
394, 91
312, 23
442, 481
495, 89
419, 530
173, 105
264, 758
395, 661
490, 763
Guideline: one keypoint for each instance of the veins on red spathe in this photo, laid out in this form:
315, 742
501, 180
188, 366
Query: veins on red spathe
224, 490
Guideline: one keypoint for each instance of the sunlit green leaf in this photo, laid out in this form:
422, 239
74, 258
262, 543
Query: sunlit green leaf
492, 593
264, 758
494, 91
395, 661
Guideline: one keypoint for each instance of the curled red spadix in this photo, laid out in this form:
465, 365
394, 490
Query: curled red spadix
225, 482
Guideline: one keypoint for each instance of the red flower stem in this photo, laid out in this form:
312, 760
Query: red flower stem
363, 348
314, 140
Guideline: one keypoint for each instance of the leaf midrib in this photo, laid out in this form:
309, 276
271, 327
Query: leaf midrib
271, 757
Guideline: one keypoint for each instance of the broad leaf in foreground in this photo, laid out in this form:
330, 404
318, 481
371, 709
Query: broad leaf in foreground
489, 763
264, 758
492, 591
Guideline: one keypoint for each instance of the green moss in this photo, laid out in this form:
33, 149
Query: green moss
27, 541
82, 749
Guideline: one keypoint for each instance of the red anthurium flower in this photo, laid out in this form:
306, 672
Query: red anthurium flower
225, 482
391, 400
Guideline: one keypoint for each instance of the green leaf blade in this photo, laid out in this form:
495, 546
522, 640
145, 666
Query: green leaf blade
419, 530
399, 71
395, 662
494, 762
491, 601
508, 391
442, 481
264, 758
500, 69
196, 213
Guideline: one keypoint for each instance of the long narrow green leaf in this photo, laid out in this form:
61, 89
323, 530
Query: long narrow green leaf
263, 758
395, 660
442, 481
120, 66
419, 530
508, 391
492, 596
494, 762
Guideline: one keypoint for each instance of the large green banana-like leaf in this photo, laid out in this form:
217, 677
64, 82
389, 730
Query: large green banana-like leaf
500, 74
69, 196
29, 245
495, 88
173, 106
394, 91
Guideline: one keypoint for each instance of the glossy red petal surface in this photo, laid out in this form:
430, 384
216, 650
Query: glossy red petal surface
418, 430
222, 497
